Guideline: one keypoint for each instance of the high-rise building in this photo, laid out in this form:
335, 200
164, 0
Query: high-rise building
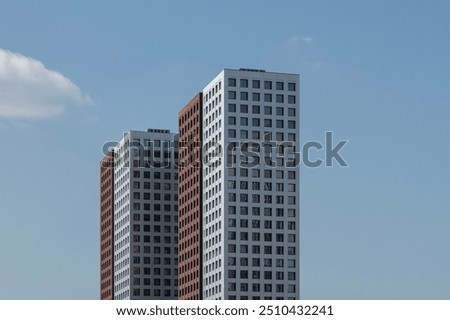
107, 227
146, 216
190, 200
215, 216
250, 186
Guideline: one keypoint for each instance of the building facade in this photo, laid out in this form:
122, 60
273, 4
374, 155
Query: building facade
107, 227
250, 186
146, 216
190, 200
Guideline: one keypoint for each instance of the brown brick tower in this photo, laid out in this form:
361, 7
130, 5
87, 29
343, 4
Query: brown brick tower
107, 227
190, 200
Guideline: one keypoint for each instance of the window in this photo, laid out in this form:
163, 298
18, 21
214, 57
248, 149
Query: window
280, 86
231, 120
291, 213
244, 83
255, 109
268, 85
255, 122
231, 82
291, 86
291, 99
267, 97
232, 133
279, 123
232, 95
256, 135
267, 110
267, 123
255, 96
291, 124
291, 112
280, 137
291, 136
280, 213
280, 98
231, 107
255, 84
244, 134
291, 237
244, 96
244, 121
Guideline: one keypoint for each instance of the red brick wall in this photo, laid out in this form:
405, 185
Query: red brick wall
190, 201
107, 227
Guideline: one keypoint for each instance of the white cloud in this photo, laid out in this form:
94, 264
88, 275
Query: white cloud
28, 90
305, 39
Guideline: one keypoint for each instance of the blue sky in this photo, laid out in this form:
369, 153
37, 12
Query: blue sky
74, 75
